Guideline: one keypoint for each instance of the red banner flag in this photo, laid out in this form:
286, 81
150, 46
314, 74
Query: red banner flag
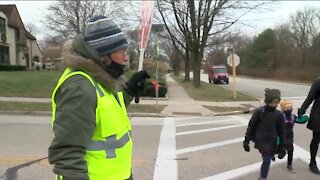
146, 17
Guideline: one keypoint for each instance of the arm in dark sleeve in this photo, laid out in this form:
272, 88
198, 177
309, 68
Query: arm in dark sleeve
251, 126
281, 130
127, 98
313, 93
73, 127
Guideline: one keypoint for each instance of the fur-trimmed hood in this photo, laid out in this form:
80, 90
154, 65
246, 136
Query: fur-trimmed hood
72, 59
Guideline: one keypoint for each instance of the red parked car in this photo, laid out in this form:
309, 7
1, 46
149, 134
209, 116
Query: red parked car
218, 74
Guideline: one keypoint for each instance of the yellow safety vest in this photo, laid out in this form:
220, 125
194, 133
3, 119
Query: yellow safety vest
109, 154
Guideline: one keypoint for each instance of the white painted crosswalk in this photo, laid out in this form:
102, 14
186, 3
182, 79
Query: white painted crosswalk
167, 163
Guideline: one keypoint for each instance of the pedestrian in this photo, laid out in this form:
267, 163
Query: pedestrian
313, 123
92, 132
290, 119
265, 125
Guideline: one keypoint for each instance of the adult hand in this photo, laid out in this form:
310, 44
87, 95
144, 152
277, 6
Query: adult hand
281, 154
136, 83
246, 146
301, 112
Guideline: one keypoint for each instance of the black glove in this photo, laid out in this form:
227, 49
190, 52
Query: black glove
281, 154
301, 112
136, 83
246, 146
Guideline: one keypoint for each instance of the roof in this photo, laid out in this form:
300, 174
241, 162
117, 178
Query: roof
14, 20
8, 10
30, 36
218, 66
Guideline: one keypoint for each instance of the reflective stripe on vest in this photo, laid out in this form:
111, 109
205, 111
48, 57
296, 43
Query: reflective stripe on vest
110, 145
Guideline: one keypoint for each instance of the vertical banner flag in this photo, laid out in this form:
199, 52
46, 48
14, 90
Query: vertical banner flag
146, 17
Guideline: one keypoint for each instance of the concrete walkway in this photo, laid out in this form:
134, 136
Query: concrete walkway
180, 104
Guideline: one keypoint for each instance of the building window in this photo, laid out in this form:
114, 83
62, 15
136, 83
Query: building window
17, 34
4, 55
2, 25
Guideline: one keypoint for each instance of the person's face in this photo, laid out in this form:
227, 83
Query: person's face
120, 56
288, 108
274, 103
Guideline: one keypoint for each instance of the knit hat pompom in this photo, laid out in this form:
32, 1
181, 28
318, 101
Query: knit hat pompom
285, 103
104, 35
272, 94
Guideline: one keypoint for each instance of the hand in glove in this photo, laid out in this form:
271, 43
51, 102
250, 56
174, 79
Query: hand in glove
301, 112
246, 146
136, 83
282, 153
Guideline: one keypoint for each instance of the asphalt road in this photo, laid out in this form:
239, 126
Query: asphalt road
255, 87
183, 148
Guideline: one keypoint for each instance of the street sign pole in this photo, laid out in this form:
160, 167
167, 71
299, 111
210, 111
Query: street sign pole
157, 28
141, 52
234, 77
233, 60
157, 73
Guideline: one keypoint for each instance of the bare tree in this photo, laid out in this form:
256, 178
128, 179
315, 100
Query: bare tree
304, 29
50, 41
68, 17
195, 22
217, 52
32, 28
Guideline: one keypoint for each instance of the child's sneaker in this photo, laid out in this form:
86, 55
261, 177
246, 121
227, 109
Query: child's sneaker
290, 169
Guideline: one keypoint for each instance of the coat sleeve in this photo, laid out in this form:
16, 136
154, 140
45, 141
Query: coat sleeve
74, 124
127, 98
281, 130
252, 125
312, 95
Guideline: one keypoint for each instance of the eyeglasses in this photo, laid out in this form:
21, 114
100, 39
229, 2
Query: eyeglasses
124, 52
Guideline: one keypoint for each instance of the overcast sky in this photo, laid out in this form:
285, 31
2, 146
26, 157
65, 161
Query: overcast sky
33, 12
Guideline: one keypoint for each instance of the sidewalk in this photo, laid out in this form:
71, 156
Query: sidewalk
178, 103
181, 104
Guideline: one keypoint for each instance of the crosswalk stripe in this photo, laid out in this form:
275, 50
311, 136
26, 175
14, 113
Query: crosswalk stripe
166, 166
207, 146
201, 123
210, 129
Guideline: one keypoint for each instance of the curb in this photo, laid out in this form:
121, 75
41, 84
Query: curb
137, 114
30, 113
235, 112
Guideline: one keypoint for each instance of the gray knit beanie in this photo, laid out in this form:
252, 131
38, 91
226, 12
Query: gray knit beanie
104, 35
272, 94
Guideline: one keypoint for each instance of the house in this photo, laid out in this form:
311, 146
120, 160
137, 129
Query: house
17, 45
52, 57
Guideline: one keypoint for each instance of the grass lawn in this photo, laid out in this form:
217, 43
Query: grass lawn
28, 83
210, 92
32, 83
41, 84
26, 106
145, 108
